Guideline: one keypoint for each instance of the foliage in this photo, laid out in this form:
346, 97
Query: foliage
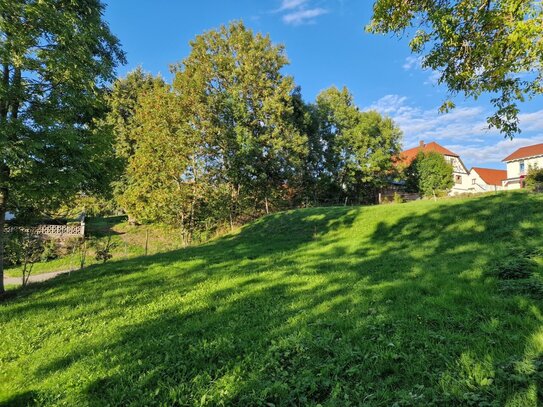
232, 138
239, 105
50, 250
477, 46
25, 248
360, 306
429, 174
103, 249
123, 102
534, 180
55, 66
357, 147
398, 198
88, 205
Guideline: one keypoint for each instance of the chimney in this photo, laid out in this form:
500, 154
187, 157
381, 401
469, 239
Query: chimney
421, 144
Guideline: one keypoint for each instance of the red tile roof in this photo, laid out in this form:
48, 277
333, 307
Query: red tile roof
407, 156
491, 176
525, 152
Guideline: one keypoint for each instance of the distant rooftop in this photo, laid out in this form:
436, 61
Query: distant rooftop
407, 156
525, 152
491, 176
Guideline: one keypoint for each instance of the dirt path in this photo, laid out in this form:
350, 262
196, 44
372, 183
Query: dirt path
33, 279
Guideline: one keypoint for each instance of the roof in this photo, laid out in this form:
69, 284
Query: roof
491, 176
407, 156
525, 152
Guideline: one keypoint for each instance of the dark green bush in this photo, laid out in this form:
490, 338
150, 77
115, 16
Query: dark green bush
534, 180
50, 250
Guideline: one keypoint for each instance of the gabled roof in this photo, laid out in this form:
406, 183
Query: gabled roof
491, 176
525, 152
407, 156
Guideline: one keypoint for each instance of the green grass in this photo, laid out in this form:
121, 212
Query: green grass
377, 306
128, 242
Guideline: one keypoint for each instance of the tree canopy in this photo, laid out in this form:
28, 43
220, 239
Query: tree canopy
56, 59
477, 46
233, 138
429, 174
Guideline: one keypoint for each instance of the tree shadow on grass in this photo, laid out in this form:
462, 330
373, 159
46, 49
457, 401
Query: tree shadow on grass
312, 307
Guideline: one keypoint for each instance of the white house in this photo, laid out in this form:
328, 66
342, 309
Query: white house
519, 163
484, 180
460, 172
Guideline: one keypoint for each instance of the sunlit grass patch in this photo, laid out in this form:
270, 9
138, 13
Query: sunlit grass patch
334, 306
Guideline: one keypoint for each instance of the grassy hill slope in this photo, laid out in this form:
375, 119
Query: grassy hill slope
416, 304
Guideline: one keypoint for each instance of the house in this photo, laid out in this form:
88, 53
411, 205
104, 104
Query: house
485, 180
519, 163
460, 172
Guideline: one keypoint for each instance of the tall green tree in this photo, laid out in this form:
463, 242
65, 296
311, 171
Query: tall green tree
240, 105
123, 101
357, 147
56, 58
165, 174
477, 46
429, 174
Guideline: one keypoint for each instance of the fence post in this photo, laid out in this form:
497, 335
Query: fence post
146, 240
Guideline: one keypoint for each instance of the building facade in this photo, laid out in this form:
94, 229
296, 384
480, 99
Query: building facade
520, 162
484, 180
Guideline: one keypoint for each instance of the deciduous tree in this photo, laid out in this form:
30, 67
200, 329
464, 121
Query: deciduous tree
430, 174
56, 56
239, 103
477, 46
357, 146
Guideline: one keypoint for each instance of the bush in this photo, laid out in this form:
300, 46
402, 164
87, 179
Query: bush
103, 249
534, 180
398, 198
50, 250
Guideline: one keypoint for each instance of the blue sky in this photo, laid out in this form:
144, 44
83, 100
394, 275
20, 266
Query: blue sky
327, 45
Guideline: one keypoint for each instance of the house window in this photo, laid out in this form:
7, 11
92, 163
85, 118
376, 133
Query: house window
522, 167
458, 179
473, 181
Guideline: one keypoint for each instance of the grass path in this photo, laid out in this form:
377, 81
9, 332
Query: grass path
376, 306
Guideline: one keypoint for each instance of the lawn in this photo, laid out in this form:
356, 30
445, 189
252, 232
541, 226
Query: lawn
426, 303
128, 241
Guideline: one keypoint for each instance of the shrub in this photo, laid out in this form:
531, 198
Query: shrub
534, 180
103, 249
398, 198
50, 250
24, 248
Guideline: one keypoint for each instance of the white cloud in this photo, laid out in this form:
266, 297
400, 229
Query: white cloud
494, 153
291, 4
433, 79
297, 12
302, 16
412, 62
464, 130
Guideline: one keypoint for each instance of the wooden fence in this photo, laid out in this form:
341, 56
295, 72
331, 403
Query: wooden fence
57, 231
